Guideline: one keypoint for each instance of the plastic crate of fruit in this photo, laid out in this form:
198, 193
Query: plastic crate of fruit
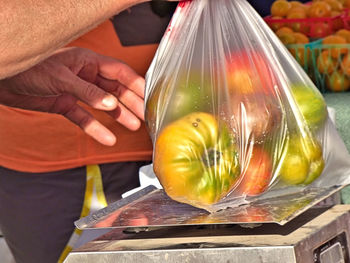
315, 19
346, 18
312, 27
299, 45
303, 54
330, 61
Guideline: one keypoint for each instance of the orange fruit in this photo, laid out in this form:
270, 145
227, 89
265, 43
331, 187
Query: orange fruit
334, 4
325, 63
284, 30
302, 55
280, 8
296, 10
335, 13
275, 25
341, 1
344, 33
337, 82
336, 52
286, 38
297, 13
285, 34
319, 9
346, 4
320, 30
300, 38
298, 4
345, 65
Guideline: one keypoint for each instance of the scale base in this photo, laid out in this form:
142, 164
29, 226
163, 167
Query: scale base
319, 235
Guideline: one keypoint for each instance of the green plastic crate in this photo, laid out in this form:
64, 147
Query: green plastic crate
331, 80
303, 53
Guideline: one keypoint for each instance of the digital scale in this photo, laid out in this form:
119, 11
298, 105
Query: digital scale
150, 227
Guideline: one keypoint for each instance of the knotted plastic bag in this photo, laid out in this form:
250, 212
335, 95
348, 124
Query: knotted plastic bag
231, 113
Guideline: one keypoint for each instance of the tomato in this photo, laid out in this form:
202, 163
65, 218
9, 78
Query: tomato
257, 175
311, 104
338, 82
302, 55
319, 9
280, 8
325, 63
256, 115
174, 98
196, 159
298, 13
302, 162
320, 29
249, 72
274, 24
335, 40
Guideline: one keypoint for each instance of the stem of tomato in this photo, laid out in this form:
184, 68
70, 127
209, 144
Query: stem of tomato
211, 157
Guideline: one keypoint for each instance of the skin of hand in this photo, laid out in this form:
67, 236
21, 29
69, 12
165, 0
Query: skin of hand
71, 74
31, 30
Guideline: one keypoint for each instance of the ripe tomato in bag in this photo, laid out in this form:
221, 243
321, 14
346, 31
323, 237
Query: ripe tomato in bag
257, 175
248, 73
196, 159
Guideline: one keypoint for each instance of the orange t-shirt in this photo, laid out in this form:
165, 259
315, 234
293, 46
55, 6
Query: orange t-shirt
40, 142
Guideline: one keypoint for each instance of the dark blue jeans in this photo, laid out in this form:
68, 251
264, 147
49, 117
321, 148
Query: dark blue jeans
37, 211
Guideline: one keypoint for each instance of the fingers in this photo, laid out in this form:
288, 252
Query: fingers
90, 125
127, 97
64, 105
113, 78
87, 92
125, 118
111, 69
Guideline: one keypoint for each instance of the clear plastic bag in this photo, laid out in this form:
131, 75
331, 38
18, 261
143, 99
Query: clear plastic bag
231, 114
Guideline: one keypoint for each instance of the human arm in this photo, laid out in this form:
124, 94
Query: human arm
31, 30
56, 84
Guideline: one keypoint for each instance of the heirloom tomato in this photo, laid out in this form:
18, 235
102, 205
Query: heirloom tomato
311, 104
249, 72
196, 159
258, 173
302, 162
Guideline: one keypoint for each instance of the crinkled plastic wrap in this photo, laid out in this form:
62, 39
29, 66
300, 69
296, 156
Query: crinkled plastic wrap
231, 113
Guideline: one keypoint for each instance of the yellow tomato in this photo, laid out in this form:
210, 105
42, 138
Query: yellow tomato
196, 159
303, 161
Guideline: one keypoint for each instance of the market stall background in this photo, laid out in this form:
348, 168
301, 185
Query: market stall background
324, 57
337, 100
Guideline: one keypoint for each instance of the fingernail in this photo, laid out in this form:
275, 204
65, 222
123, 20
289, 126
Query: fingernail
109, 102
110, 140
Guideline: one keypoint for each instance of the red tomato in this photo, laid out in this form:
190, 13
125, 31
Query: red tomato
257, 174
249, 72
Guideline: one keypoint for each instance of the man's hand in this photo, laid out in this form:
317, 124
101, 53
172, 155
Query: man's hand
71, 74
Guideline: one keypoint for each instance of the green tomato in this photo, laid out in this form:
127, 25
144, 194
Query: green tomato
303, 161
196, 159
311, 104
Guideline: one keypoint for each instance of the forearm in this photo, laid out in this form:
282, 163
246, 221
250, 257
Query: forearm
32, 29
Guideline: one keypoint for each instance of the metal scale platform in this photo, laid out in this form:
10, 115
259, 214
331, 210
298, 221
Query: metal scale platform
150, 227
